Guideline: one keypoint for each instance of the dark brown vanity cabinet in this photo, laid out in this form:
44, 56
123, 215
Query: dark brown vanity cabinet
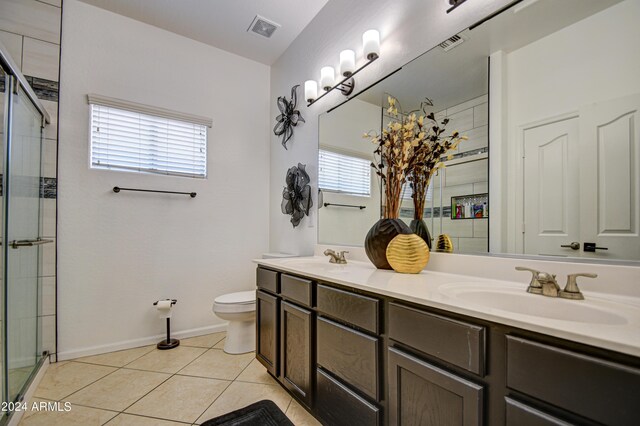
358, 358
596, 389
284, 334
349, 390
422, 393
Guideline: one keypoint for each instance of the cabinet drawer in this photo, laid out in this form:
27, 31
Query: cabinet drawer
337, 405
296, 289
267, 280
350, 355
456, 342
519, 414
597, 389
361, 311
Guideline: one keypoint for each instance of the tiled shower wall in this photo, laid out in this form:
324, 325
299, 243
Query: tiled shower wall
470, 119
30, 30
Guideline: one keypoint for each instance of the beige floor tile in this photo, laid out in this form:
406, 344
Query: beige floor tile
206, 341
131, 420
119, 390
78, 415
63, 379
240, 394
180, 398
167, 361
217, 364
117, 359
299, 416
256, 373
220, 344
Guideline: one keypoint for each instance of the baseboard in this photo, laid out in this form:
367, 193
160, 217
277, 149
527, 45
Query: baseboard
135, 343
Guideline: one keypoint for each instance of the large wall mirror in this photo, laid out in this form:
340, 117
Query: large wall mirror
548, 94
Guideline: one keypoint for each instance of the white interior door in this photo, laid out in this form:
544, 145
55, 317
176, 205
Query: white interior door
610, 179
551, 194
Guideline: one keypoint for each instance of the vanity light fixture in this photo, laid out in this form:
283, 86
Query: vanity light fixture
371, 49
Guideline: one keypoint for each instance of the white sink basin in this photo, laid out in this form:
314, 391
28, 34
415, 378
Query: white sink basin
518, 301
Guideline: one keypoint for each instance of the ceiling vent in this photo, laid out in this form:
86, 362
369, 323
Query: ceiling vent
452, 42
263, 26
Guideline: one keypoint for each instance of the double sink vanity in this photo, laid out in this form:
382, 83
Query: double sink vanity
552, 151
357, 345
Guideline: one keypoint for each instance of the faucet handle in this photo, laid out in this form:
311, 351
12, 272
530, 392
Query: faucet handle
571, 290
534, 285
342, 253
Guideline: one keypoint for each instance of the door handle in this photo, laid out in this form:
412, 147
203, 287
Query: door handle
573, 246
591, 247
28, 243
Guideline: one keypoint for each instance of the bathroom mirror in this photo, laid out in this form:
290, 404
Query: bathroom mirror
548, 94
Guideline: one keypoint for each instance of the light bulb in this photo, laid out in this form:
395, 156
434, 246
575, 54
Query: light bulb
347, 62
371, 44
310, 90
327, 77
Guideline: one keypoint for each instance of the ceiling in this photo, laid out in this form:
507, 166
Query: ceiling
450, 78
223, 24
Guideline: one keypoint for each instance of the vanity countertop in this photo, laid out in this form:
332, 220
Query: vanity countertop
604, 320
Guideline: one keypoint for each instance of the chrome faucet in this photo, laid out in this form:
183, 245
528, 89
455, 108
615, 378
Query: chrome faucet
546, 284
336, 257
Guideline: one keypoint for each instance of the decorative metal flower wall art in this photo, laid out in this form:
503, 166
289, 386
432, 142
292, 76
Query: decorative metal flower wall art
289, 116
296, 196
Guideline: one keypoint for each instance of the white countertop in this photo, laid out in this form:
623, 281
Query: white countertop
617, 329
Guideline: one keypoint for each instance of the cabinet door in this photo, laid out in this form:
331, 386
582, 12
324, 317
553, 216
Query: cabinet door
267, 310
296, 367
423, 394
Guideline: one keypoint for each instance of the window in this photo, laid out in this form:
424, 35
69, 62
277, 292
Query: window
344, 173
135, 137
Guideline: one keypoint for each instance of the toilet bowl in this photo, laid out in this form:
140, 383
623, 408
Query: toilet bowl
240, 310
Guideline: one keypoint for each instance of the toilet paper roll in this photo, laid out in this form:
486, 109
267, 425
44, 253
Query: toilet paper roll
164, 304
164, 308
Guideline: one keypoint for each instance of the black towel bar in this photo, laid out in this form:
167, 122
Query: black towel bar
345, 205
117, 189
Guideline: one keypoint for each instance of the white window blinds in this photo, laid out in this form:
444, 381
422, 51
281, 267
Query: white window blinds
407, 192
126, 137
344, 173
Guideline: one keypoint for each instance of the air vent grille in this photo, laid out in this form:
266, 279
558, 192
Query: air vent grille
263, 26
452, 42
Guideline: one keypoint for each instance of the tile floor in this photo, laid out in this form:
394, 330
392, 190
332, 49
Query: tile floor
144, 386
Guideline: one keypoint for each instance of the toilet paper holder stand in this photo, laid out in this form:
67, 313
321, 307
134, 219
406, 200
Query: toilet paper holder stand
168, 343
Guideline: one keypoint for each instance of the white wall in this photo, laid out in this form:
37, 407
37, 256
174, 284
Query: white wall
342, 132
584, 63
407, 29
119, 253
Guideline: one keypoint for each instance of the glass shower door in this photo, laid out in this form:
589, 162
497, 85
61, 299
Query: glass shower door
21, 208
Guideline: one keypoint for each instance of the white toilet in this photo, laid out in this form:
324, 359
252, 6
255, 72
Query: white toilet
240, 310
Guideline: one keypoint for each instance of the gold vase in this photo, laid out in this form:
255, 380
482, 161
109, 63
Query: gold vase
408, 254
444, 244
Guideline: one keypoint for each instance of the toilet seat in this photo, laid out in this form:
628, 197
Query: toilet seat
242, 301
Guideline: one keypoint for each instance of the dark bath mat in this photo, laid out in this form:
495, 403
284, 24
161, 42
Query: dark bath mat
261, 413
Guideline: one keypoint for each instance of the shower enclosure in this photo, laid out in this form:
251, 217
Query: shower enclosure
22, 119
